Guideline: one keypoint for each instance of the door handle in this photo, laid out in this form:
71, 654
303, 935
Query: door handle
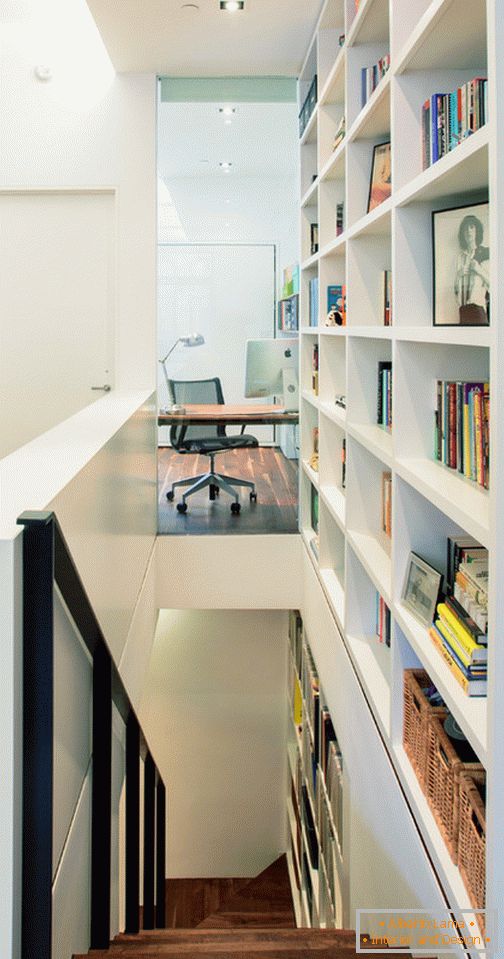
106, 388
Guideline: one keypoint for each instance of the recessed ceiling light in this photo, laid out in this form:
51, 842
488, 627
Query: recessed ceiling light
227, 122
225, 164
232, 5
227, 111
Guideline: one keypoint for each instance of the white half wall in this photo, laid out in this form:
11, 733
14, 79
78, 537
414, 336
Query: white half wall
214, 712
229, 572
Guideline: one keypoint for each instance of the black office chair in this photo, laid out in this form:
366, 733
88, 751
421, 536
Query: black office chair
209, 440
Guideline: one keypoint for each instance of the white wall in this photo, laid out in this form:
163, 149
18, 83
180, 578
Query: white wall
215, 716
83, 128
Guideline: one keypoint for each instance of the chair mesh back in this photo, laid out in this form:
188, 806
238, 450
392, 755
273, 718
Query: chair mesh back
197, 391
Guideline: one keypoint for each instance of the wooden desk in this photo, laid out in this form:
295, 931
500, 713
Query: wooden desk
198, 415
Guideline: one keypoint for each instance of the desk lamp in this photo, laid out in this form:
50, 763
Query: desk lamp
194, 339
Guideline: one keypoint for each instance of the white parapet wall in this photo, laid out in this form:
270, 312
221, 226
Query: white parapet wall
98, 472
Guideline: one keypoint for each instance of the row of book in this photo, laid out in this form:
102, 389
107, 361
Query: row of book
462, 428
460, 629
386, 520
448, 118
386, 297
371, 76
313, 302
317, 786
383, 621
384, 394
288, 314
315, 369
340, 218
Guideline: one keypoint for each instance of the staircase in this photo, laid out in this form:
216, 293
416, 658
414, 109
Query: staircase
232, 944
232, 919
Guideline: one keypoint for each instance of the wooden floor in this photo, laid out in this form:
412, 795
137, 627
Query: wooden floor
264, 901
276, 480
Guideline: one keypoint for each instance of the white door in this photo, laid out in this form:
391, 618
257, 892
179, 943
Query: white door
57, 302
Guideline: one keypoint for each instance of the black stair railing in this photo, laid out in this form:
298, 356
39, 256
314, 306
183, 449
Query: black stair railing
48, 561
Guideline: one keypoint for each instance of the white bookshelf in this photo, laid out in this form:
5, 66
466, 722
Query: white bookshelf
435, 45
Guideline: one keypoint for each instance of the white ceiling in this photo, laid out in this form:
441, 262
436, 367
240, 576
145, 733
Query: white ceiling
269, 38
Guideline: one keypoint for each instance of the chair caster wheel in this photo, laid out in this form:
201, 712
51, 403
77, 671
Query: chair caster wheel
182, 507
235, 508
170, 495
253, 497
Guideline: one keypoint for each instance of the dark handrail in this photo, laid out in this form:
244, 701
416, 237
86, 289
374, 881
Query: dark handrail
47, 560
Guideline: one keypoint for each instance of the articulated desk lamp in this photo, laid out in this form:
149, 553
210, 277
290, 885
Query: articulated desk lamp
194, 339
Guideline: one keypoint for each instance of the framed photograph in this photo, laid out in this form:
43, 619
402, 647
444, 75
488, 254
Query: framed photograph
380, 184
461, 266
422, 585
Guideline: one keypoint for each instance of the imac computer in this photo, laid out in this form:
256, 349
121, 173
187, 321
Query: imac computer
272, 370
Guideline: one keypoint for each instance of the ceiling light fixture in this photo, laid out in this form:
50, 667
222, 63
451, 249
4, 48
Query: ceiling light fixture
232, 5
227, 111
225, 164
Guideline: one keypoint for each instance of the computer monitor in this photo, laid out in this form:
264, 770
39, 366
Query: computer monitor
272, 370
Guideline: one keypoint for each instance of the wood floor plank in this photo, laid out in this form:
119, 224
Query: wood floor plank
276, 479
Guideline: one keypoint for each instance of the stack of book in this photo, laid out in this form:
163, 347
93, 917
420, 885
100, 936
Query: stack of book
382, 620
371, 76
313, 301
460, 629
448, 118
384, 398
462, 428
387, 503
386, 297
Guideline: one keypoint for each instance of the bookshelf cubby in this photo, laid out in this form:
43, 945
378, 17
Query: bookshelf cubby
434, 46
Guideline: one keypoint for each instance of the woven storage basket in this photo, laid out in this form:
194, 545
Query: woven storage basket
442, 771
472, 836
417, 712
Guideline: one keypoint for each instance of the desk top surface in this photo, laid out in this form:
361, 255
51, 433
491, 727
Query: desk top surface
224, 413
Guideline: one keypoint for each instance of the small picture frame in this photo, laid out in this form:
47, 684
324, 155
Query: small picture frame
422, 585
460, 269
380, 183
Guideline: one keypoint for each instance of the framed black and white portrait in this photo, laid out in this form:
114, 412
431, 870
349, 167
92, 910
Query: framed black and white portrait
461, 266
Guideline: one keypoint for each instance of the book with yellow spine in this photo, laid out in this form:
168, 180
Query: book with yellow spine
467, 659
472, 687
463, 635
298, 704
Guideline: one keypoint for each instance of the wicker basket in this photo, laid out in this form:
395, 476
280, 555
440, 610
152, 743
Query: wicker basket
442, 772
417, 712
472, 836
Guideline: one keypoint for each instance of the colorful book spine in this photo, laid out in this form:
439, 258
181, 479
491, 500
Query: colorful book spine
371, 76
384, 397
448, 118
461, 428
